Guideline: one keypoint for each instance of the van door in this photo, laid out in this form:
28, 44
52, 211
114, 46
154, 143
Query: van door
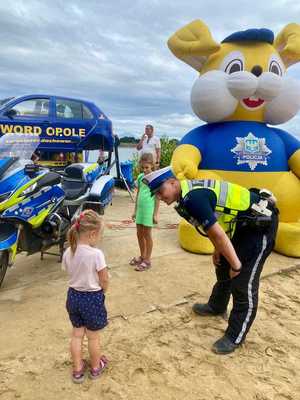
72, 121
26, 115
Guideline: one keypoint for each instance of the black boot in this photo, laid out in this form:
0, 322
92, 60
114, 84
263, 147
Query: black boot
224, 346
204, 310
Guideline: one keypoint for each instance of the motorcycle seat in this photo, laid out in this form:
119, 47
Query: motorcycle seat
75, 171
74, 188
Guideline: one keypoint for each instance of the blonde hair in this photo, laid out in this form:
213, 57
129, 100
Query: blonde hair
87, 221
146, 158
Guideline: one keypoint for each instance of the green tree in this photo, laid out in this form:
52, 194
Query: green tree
128, 139
167, 148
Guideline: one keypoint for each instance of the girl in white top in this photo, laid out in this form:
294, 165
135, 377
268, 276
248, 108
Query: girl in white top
88, 282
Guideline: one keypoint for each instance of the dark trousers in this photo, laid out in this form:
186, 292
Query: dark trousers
252, 246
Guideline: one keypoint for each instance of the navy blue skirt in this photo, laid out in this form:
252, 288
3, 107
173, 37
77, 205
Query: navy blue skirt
87, 309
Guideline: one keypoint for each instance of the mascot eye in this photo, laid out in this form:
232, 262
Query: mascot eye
233, 62
275, 68
276, 65
234, 66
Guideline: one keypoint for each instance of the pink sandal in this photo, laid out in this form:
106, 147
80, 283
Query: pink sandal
135, 261
95, 373
78, 376
143, 266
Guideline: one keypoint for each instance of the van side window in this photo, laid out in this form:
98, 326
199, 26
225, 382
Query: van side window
32, 108
68, 109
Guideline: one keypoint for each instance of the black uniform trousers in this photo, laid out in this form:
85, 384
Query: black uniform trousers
253, 246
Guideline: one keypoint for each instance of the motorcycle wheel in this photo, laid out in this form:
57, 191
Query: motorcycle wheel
3, 265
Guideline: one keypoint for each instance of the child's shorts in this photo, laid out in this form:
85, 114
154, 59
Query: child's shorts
87, 309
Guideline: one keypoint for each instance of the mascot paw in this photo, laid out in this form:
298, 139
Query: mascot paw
186, 170
192, 241
288, 239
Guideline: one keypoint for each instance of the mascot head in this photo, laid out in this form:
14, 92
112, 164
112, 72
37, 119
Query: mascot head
244, 77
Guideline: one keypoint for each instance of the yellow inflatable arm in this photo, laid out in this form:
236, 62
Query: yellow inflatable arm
185, 161
193, 44
287, 43
294, 163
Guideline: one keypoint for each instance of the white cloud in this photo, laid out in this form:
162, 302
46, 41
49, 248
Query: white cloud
116, 55
173, 125
292, 126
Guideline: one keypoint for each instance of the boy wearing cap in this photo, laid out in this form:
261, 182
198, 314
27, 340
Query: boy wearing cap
242, 226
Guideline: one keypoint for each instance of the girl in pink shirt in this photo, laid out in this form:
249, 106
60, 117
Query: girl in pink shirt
88, 282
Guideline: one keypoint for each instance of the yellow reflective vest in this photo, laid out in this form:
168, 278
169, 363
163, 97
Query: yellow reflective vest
231, 199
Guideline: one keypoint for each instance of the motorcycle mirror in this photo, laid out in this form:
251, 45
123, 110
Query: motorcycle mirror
31, 170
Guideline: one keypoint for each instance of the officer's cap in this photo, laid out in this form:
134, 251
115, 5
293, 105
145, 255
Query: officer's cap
155, 179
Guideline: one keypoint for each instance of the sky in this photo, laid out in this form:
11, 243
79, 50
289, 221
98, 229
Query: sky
114, 53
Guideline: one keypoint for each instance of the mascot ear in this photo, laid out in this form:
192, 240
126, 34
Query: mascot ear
287, 43
193, 44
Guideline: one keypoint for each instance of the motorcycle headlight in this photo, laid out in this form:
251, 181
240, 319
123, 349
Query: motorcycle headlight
29, 190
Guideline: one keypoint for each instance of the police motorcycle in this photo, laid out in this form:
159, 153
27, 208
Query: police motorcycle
37, 205
86, 186
30, 199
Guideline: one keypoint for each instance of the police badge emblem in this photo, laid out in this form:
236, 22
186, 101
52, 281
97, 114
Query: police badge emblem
251, 150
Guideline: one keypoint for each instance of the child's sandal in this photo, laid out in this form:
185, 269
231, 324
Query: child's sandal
95, 373
135, 261
78, 376
143, 266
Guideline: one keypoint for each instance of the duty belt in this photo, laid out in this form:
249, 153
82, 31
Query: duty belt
260, 214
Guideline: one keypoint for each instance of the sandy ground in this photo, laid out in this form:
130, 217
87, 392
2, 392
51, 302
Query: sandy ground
158, 349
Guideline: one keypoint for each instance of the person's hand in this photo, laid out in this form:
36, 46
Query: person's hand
216, 258
235, 272
144, 136
133, 217
155, 219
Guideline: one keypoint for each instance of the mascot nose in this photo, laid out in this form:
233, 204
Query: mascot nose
257, 70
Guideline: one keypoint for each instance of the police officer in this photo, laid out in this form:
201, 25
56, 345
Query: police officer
242, 226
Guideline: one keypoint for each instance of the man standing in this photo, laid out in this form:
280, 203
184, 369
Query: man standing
242, 226
150, 144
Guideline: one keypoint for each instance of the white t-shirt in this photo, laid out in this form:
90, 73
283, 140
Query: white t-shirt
83, 267
151, 146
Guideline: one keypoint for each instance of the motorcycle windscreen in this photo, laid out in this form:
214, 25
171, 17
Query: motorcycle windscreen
18, 145
5, 163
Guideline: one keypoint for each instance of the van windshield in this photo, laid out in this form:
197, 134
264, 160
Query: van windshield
4, 101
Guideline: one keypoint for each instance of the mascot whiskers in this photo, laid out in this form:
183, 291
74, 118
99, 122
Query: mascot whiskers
241, 89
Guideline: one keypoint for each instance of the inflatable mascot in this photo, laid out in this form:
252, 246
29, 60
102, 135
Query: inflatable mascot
241, 89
